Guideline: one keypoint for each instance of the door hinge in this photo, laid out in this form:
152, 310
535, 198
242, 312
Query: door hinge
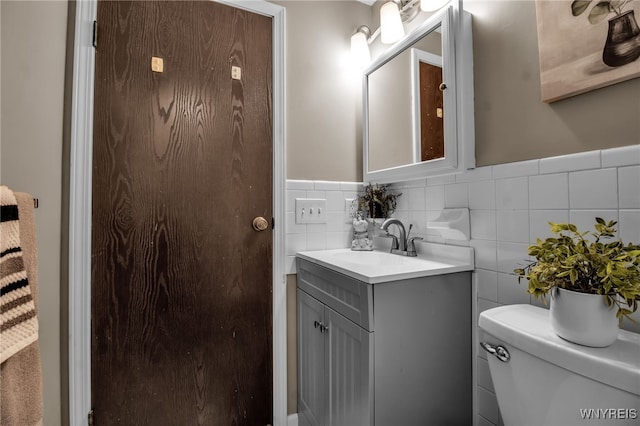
90, 418
95, 34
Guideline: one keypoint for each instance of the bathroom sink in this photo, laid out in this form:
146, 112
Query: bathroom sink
381, 266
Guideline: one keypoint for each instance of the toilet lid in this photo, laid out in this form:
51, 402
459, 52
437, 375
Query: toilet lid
528, 328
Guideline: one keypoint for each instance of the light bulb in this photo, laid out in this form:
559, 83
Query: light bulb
360, 50
391, 29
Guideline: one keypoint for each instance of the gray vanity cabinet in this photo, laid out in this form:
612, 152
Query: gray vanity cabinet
383, 354
334, 366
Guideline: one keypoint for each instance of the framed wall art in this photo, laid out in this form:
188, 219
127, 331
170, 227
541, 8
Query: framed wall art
586, 44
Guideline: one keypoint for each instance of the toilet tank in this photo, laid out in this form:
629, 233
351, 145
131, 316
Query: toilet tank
550, 381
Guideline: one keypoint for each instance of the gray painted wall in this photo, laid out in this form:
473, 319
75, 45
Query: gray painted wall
512, 123
324, 135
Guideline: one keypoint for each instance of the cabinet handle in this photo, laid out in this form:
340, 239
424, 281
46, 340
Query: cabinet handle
323, 328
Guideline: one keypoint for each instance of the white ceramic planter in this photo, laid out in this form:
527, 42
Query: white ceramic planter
583, 318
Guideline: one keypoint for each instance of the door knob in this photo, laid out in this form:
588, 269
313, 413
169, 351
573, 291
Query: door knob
260, 223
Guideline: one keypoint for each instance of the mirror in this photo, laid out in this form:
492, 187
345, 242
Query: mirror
410, 113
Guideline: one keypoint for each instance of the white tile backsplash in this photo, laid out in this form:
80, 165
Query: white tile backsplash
521, 168
335, 233
512, 193
593, 189
539, 222
486, 284
299, 184
482, 195
629, 230
486, 254
511, 256
484, 375
441, 180
483, 224
510, 206
456, 195
474, 175
623, 156
323, 185
292, 194
335, 201
488, 405
629, 187
565, 163
513, 225
585, 219
415, 197
435, 197
336, 220
511, 292
549, 191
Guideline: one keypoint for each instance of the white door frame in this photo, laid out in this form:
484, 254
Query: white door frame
80, 210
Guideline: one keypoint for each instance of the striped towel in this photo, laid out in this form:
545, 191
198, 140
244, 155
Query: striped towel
18, 321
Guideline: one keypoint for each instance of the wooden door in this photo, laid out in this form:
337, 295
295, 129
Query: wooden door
182, 163
431, 112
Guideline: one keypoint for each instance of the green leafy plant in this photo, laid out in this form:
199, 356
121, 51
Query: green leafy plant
601, 10
377, 201
573, 262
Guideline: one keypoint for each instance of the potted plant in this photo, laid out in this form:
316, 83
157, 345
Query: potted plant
578, 270
622, 45
377, 202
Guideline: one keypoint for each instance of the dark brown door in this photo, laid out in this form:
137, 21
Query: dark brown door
431, 112
182, 163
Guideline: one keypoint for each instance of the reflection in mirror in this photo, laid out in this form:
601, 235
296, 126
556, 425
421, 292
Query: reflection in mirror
391, 109
428, 106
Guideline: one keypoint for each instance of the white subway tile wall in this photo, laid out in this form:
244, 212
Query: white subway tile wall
336, 233
510, 206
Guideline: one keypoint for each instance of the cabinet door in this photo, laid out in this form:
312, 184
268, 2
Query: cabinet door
312, 389
350, 371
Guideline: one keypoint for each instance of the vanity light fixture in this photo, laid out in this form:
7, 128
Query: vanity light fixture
393, 14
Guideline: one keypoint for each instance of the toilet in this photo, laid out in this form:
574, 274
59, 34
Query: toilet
541, 379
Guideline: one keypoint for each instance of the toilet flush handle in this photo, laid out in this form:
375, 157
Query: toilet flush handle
499, 351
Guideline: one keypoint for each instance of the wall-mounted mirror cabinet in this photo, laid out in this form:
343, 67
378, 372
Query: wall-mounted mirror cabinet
418, 103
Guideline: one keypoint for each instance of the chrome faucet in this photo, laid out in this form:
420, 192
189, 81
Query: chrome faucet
402, 244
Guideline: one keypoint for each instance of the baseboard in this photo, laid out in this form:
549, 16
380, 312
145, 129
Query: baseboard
292, 419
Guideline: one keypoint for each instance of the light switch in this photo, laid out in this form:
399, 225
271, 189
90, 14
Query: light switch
236, 72
157, 64
310, 210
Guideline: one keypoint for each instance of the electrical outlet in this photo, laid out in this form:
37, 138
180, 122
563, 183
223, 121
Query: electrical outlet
311, 210
350, 207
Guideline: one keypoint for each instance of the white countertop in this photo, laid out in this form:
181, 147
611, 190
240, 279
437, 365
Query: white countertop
380, 266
